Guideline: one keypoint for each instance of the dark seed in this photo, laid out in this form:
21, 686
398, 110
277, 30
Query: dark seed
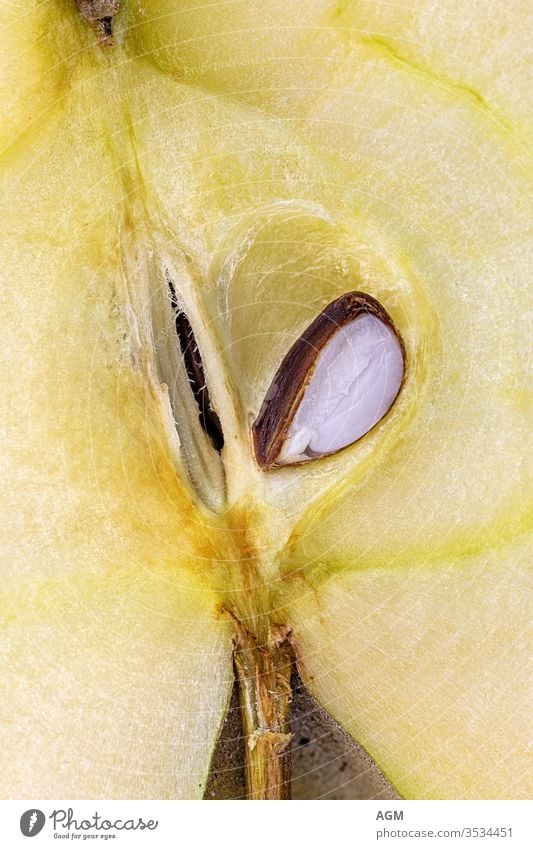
195, 373
292, 377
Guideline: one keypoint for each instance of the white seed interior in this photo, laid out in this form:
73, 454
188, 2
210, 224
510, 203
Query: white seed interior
356, 379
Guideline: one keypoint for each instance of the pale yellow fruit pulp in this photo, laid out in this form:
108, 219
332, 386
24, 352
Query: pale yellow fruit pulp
283, 154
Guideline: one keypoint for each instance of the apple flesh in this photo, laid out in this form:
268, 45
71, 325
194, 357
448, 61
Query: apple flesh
265, 184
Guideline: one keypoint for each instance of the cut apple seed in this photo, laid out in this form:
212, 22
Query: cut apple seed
192, 360
338, 380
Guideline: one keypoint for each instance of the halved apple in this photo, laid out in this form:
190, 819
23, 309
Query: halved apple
186, 190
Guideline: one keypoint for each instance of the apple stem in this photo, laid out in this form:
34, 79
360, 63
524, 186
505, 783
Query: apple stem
263, 674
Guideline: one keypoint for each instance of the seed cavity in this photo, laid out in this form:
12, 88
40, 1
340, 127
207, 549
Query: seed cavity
195, 373
338, 380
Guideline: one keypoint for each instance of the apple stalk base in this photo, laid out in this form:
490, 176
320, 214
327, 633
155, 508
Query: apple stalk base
263, 674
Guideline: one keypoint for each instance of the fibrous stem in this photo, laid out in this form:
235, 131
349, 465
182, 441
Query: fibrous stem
263, 674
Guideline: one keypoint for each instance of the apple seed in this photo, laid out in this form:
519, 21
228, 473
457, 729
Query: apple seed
338, 380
